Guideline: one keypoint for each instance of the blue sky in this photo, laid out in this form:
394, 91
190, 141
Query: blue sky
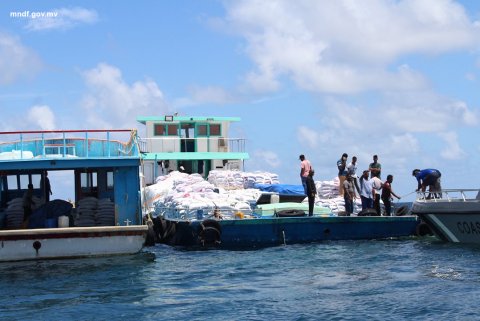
395, 78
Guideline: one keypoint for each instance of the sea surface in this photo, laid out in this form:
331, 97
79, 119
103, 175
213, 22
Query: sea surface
405, 279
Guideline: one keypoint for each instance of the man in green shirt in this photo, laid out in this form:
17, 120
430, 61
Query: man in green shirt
375, 168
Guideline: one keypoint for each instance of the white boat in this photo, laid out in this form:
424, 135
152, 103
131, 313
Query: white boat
105, 217
453, 215
70, 242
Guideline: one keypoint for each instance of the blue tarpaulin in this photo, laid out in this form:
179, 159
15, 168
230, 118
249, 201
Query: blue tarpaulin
282, 189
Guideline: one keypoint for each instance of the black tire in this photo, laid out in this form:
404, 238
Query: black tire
368, 212
159, 228
210, 233
290, 213
150, 239
423, 229
401, 211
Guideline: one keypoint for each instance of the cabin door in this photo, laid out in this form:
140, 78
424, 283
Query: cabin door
187, 141
127, 202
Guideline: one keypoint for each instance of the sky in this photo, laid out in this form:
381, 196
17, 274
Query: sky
399, 79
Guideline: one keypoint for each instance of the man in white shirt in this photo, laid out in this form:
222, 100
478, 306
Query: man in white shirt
366, 191
352, 171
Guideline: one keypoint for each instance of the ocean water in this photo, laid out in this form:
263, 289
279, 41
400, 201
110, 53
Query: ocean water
406, 279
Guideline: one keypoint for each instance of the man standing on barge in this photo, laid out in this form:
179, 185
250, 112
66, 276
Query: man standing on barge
305, 168
311, 192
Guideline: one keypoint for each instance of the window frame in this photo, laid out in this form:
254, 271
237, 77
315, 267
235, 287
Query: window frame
219, 130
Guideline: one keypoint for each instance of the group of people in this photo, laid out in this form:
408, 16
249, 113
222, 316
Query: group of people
369, 186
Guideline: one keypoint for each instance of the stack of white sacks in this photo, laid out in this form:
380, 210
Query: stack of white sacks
86, 212
94, 212
240, 180
180, 195
14, 212
329, 196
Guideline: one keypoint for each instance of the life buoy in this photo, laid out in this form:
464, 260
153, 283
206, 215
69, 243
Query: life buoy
210, 233
401, 211
423, 229
290, 213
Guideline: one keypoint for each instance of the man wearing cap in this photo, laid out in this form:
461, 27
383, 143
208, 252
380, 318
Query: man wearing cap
305, 168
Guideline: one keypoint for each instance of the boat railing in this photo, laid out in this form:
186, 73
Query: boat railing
182, 144
68, 143
449, 195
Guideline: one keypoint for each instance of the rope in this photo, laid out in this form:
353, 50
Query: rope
408, 194
405, 196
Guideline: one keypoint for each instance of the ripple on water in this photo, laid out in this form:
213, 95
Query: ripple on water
346, 280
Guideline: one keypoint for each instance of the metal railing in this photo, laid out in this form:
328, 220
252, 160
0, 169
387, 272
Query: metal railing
449, 195
68, 143
203, 144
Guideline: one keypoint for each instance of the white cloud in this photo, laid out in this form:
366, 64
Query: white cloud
113, 103
407, 143
210, 94
307, 136
452, 150
398, 127
470, 76
346, 46
414, 112
16, 60
63, 18
267, 157
41, 117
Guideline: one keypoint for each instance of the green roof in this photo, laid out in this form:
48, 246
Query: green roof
144, 119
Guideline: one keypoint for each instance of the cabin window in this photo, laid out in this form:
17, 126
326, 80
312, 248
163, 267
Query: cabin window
36, 180
24, 181
165, 130
12, 182
159, 130
88, 182
202, 130
172, 130
109, 180
214, 129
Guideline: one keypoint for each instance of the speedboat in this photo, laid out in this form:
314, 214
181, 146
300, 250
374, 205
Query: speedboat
453, 215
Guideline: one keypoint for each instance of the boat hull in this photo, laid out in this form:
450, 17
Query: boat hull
457, 222
73, 242
247, 233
